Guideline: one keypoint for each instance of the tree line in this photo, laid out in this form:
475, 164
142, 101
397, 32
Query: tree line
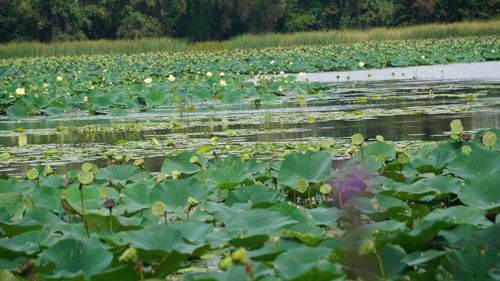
201, 20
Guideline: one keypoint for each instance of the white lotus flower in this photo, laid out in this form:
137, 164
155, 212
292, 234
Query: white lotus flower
223, 83
209, 74
171, 78
20, 91
361, 64
59, 78
148, 80
302, 74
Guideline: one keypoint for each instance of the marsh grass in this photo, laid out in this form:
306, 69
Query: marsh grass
429, 31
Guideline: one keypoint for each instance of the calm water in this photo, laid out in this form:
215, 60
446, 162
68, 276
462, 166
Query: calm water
285, 121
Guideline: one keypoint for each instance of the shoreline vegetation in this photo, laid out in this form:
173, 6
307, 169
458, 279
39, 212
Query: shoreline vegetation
248, 41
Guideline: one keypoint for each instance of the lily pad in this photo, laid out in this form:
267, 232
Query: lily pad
75, 259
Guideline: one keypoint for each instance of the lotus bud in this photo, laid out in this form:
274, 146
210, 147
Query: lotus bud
129, 255
240, 255
226, 263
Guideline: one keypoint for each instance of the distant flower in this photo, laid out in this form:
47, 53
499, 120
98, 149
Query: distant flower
272, 62
209, 74
148, 80
59, 78
223, 83
302, 74
361, 64
282, 72
85, 98
45, 85
280, 89
422, 57
171, 78
20, 91
221, 74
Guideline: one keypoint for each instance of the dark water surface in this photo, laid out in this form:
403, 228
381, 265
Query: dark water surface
390, 108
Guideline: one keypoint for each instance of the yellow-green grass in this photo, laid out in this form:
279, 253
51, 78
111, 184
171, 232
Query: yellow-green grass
435, 31
428, 31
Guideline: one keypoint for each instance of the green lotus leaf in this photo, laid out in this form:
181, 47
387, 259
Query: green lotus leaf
307, 264
307, 234
310, 166
182, 164
253, 194
226, 177
136, 197
175, 193
258, 221
478, 163
159, 240
417, 258
381, 206
17, 111
13, 204
122, 273
468, 265
459, 215
423, 233
119, 174
271, 250
75, 259
327, 216
481, 192
98, 222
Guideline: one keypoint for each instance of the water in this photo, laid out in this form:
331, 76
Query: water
400, 110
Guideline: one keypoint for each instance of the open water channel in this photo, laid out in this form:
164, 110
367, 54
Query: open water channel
402, 104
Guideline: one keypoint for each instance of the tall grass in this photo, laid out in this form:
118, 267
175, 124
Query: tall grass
428, 31
436, 31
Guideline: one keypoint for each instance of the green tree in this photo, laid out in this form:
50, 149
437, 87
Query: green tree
137, 25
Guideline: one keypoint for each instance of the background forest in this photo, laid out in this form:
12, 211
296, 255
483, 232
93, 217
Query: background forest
202, 20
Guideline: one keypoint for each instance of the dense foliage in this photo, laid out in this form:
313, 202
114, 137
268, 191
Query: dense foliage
386, 214
114, 84
60, 20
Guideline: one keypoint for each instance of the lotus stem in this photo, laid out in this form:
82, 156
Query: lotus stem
83, 211
381, 266
309, 197
110, 219
340, 199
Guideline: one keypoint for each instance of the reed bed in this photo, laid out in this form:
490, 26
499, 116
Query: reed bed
428, 31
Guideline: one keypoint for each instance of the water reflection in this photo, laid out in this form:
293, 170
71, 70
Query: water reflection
241, 120
22, 140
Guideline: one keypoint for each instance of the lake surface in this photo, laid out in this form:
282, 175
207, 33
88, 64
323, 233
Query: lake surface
372, 102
